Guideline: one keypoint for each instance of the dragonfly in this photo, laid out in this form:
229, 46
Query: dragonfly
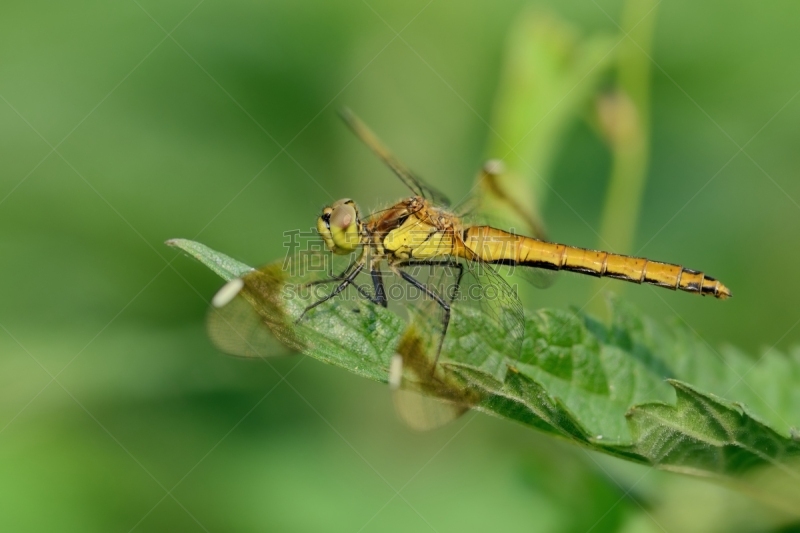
451, 265
421, 231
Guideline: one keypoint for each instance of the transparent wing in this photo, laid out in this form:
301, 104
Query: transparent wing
493, 199
411, 180
426, 398
488, 299
486, 329
421, 412
541, 278
491, 206
236, 328
486, 321
257, 315
413, 389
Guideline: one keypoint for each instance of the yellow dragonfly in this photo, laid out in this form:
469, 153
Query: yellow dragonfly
447, 265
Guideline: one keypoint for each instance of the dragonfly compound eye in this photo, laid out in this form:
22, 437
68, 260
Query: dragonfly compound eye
343, 217
339, 227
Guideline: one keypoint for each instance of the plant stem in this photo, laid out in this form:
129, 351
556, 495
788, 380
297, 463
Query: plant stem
549, 74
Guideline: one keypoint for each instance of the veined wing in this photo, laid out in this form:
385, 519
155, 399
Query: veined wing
499, 203
422, 399
245, 320
411, 180
491, 206
541, 278
486, 316
486, 329
490, 303
257, 315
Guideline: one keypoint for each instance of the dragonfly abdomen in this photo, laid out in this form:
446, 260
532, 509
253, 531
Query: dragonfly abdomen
500, 247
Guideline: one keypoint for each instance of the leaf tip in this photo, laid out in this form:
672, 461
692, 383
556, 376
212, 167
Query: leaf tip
676, 383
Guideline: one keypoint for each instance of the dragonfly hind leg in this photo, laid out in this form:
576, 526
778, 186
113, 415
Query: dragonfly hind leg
445, 304
444, 263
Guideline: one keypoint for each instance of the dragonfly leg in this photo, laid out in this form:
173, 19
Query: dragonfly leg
340, 277
444, 263
374, 299
438, 299
358, 287
342, 286
377, 283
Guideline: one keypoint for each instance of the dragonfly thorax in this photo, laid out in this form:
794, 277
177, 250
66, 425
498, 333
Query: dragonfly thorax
340, 226
417, 230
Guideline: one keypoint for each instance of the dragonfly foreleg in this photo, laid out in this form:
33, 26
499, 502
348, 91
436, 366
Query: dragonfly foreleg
339, 277
358, 287
342, 286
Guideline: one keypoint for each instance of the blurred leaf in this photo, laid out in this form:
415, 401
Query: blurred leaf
550, 74
599, 385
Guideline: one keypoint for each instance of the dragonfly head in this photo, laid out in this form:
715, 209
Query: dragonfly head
340, 227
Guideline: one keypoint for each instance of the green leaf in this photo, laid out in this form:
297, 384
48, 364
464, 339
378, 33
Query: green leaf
703, 433
621, 388
225, 267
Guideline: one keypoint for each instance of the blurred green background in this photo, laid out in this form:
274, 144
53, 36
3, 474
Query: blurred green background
168, 119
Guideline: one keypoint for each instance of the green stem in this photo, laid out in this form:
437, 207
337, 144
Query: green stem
549, 74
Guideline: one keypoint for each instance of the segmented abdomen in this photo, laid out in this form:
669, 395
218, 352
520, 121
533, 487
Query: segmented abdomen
500, 247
